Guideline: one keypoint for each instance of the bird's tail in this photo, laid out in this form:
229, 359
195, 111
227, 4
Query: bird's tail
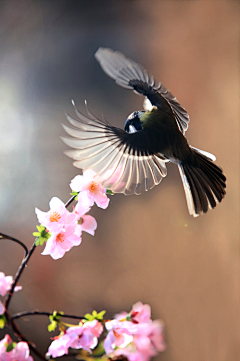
204, 182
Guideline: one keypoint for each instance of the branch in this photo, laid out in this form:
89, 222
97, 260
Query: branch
24, 262
4, 236
32, 313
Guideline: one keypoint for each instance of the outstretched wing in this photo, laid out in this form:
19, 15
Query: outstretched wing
120, 160
131, 75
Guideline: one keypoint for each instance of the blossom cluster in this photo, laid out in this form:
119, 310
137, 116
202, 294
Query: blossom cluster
63, 229
132, 335
84, 336
5, 286
11, 351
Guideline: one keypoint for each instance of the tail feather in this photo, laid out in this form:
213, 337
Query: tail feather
215, 168
208, 185
215, 173
212, 183
200, 199
204, 183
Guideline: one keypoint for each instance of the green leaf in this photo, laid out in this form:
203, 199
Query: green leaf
95, 316
109, 192
11, 346
42, 240
75, 194
52, 326
89, 317
42, 235
100, 315
54, 319
2, 321
41, 228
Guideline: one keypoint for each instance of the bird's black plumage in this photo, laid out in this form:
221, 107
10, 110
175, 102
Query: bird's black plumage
134, 160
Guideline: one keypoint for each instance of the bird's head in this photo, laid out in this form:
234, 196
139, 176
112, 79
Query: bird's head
133, 123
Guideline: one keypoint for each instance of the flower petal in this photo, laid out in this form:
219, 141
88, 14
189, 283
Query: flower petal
89, 224
2, 309
80, 183
80, 209
85, 199
101, 200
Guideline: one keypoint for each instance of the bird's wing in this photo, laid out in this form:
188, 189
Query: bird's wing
119, 159
128, 74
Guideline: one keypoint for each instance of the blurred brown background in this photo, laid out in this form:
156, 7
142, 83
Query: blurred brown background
146, 248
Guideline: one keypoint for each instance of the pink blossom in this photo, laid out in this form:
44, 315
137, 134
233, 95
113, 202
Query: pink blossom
19, 353
140, 313
2, 309
61, 344
6, 284
83, 336
134, 335
80, 209
87, 222
121, 316
148, 340
56, 217
91, 190
87, 335
153, 330
62, 241
157, 335
119, 335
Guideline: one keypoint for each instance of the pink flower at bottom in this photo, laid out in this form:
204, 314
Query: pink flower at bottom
61, 242
60, 345
119, 335
148, 340
19, 353
83, 336
6, 284
88, 334
140, 312
134, 335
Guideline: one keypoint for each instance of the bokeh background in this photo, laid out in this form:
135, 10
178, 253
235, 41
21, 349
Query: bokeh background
146, 247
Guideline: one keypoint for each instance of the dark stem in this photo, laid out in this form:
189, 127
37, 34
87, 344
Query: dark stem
24, 262
32, 313
18, 275
69, 201
4, 236
21, 337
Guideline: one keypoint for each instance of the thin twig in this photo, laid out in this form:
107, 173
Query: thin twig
18, 275
70, 201
4, 236
24, 262
32, 313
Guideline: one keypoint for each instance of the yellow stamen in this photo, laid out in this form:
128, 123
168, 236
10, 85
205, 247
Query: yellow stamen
117, 335
54, 217
60, 237
94, 187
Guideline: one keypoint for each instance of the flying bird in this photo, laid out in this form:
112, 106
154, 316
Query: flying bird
133, 160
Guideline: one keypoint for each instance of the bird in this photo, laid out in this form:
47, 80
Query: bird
133, 160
